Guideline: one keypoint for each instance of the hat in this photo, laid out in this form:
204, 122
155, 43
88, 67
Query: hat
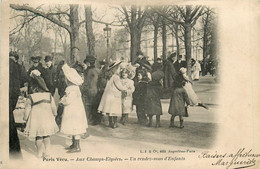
157, 75
89, 58
173, 55
39, 81
36, 58
14, 54
148, 67
48, 58
114, 64
72, 75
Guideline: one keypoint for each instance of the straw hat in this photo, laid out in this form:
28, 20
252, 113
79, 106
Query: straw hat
72, 75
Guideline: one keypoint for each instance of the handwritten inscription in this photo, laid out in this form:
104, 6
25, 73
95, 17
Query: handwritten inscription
242, 158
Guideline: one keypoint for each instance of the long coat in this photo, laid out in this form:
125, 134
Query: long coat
15, 82
49, 76
111, 101
153, 98
74, 121
89, 87
169, 74
177, 103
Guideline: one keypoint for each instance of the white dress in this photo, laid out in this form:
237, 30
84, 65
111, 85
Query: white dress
194, 100
196, 68
40, 112
111, 102
74, 121
127, 99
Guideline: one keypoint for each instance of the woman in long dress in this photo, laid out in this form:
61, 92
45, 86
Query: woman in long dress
194, 99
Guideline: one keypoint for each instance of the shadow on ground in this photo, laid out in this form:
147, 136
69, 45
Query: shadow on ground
194, 134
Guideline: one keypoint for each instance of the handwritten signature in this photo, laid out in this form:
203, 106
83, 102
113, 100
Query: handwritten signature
241, 159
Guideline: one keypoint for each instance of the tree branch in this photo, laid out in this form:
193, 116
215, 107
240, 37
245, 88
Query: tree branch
22, 25
42, 14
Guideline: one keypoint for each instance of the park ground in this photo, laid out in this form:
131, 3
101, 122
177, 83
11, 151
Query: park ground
199, 133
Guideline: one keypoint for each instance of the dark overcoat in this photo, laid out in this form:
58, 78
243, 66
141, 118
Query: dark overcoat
177, 104
169, 74
89, 87
153, 97
15, 83
49, 76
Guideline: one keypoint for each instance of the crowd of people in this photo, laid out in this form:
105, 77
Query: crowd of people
88, 93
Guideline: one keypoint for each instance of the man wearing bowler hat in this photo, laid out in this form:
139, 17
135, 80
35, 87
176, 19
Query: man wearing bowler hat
49, 74
90, 90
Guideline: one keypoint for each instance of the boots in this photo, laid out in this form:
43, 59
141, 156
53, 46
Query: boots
115, 122
76, 148
172, 122
181, 123
123, 119
110, 120
157, 121
72, 145
150, 121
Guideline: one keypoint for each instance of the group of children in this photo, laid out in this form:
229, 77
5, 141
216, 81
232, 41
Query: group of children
119, 96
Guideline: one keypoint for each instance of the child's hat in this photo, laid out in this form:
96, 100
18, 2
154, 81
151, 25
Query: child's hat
72, 75
157, 75
38, 80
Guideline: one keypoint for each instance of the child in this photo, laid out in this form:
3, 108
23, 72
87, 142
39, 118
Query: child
153, 96
127, 99
194, 100
139, 96
177, 103
111, 102
40, 112
74, 121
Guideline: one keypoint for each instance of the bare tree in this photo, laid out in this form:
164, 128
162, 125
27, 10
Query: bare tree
55, 17
135, 18
89, 30
188, 18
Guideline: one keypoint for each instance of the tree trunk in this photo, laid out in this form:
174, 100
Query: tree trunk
177, 39
187, 35
139, 36
204, 49
164, 39
89, 30
133, 48
74, 34
155, 42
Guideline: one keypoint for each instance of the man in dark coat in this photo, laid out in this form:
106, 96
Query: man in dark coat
36, 66
157, 65
169, 71
15, 83
49, 74
179, 64
90, 90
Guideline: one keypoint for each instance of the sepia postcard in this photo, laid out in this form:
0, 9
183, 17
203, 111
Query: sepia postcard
130, 84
